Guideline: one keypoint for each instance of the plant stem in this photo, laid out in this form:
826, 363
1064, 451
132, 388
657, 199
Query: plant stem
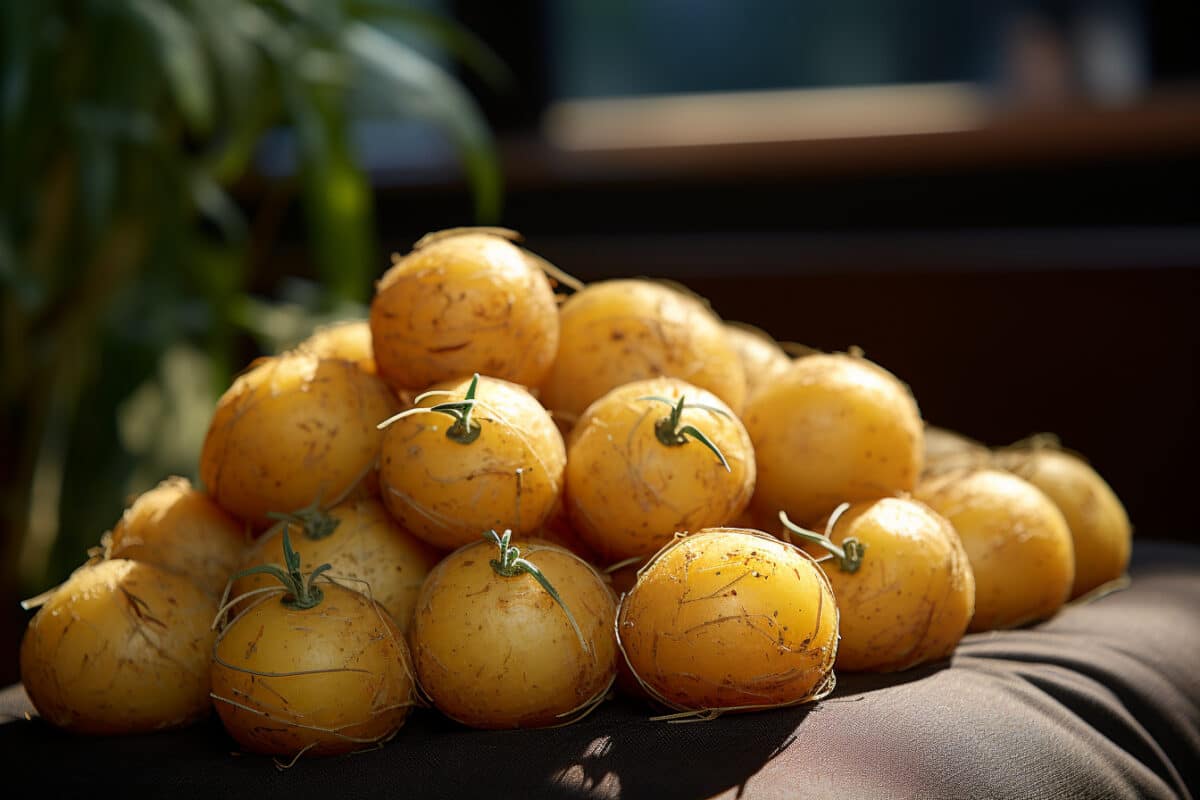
301, 592
848, 557
668, 430
314, 523
510, 565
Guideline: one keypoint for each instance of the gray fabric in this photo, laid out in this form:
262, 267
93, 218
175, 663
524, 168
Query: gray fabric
1101, 702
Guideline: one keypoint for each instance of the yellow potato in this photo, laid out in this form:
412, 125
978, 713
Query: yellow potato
946, 450
464, 303
497, 651
912, 593
620, 580
121, 647
366, 549
761, 356
1099, 526
1017, 542
179, 528
349, 341
314, 668
615, 332
446, 488
833, 428
634, 479
557, 529
730, 619
292, 430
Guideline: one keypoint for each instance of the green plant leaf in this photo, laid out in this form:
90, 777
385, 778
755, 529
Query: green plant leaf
214, 203
337, 197
182, 59
454, 39
233, 38
404, 82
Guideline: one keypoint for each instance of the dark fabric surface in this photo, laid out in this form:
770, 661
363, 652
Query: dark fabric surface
1101, 702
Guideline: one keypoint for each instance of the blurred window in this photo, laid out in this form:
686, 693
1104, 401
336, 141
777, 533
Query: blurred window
633, 47
605, 48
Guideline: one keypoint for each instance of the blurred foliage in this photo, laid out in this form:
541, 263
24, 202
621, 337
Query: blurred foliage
124, 262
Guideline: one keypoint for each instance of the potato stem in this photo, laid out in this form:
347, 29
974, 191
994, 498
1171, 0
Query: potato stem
301, 593
669, 432
848, 557
510, 565
313, 522
464, 430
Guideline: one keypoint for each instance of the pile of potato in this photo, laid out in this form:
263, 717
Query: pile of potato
502, 502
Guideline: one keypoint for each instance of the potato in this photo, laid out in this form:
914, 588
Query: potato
911, 594
312, 668
761, 356
349, 340
179, 528
615, 332
1100, 528
447, 487
728, 619
463, 302
292, 430
638, 470
557, 529
1016, 539
366, 549
121, 647
494, 649
946, 450
621, 578
832, 428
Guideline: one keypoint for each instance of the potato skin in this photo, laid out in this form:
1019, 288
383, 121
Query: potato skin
557, 529
946, 450
833, 428
1016, 539
180, 529
761, 356
448, 493
368, 552
464, 304
1100, 528
495, 652
615, 332
728, 617
121, 647
293, 428
628, 493
357, 688
913, 595
349, 340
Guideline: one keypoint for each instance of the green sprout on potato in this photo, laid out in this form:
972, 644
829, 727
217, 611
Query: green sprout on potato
848, 557
672, 434
510, 564
464, 430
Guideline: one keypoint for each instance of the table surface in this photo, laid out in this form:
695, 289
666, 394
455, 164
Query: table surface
1101, 701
